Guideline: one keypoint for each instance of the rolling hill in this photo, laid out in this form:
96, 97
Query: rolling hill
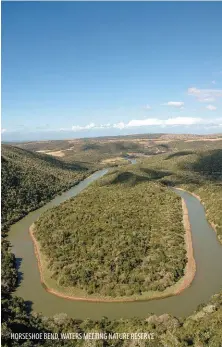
30, 179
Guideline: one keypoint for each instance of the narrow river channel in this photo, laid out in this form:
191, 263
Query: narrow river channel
207, 253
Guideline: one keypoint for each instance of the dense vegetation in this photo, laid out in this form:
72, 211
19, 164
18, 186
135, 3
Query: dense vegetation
201, 329
115, 239
30, 179
199, 172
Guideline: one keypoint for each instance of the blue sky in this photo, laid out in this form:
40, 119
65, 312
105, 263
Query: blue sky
75, 69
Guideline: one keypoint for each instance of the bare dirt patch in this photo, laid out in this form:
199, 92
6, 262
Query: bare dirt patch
43, 151
56, 154
112, 160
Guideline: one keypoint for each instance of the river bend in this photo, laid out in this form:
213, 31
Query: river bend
207, 281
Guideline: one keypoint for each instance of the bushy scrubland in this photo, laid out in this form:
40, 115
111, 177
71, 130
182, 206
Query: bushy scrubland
115, 239
201, 329
30, 179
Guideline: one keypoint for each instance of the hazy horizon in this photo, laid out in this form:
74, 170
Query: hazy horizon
71, 137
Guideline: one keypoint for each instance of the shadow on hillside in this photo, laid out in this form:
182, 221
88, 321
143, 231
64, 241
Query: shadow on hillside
132, 178
178, 154
62, 164
208, 166
180, 180
155, 174
128, 178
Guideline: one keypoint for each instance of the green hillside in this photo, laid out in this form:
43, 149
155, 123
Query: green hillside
30, 179
199, 172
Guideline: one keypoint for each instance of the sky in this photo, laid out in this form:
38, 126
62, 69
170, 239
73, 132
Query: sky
82, 69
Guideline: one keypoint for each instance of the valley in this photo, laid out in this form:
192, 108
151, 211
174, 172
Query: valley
117, 235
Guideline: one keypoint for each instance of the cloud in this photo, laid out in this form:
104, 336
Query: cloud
3, 131
90, 126
87, 127
205, 95
143, 122
177, 104
163, 122
119, 125
211, 107
213, 82
135, 123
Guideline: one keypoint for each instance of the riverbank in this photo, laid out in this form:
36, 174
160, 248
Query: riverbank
75, 294
190, 269
212, 224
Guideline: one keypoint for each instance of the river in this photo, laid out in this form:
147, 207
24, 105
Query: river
207, 281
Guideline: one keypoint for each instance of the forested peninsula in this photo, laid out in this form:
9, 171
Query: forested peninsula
115, 239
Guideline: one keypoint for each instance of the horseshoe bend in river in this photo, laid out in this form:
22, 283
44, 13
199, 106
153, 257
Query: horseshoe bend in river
207, 281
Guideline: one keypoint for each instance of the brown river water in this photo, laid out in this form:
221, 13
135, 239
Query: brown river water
207, 281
